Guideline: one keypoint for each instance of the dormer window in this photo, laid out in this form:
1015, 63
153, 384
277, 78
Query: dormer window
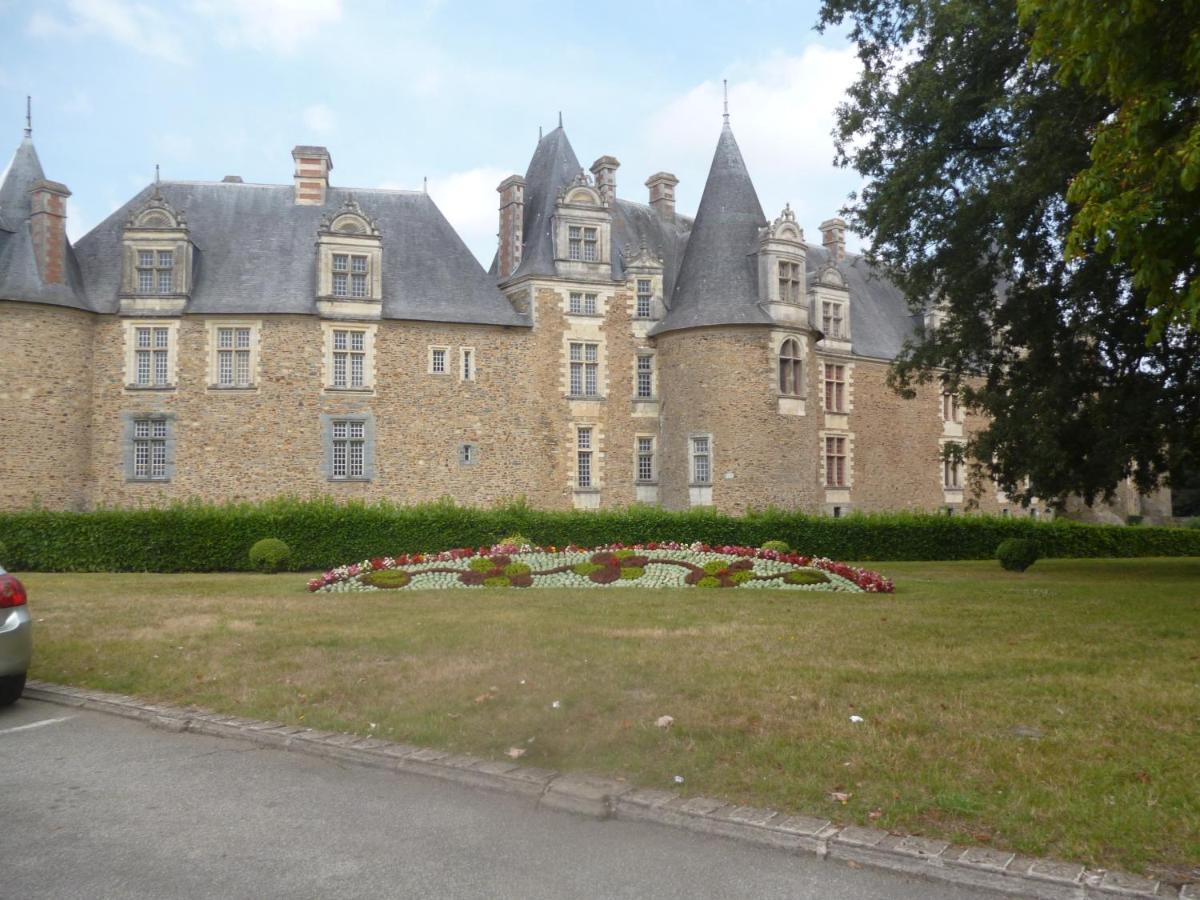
349, 276
350, 260
582, 228
789, 282
155, 271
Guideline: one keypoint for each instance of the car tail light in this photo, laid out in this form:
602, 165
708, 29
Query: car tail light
12, 592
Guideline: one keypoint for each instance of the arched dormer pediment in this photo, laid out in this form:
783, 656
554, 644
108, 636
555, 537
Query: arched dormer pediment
350, 219
157, 260
349, 264
830, 300
784, 229
830, 276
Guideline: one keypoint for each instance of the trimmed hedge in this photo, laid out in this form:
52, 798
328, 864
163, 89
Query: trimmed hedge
323, 534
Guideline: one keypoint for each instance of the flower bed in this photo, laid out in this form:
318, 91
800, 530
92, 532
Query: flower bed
645, 565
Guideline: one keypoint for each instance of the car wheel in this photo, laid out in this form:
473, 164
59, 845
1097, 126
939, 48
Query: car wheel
11, 687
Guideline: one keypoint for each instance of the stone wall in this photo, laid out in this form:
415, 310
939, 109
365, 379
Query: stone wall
45, 392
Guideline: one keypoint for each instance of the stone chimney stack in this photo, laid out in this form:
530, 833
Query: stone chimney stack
313, 165
833, 237
48, 223
512, 219
605, 171
662, 194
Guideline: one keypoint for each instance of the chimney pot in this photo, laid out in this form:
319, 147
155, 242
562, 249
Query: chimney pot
662, 194
605, 172
833, 237
232, 179
512, 221
311, 175
48, 224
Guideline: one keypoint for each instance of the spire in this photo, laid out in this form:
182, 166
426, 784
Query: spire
725, 82
22, 174
28, 116
553, 167
718, 277
157, 193
560, 118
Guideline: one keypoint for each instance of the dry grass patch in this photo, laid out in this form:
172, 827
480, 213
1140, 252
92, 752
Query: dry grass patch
1055, 712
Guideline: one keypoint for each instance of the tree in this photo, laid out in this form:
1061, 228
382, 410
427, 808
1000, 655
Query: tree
969, 148
1140, 193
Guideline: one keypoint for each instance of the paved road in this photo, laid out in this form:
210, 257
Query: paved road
93, 806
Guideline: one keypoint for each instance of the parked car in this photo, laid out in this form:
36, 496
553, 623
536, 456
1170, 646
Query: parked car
16, 638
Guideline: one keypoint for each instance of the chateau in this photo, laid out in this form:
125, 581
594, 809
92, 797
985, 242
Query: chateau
223, 340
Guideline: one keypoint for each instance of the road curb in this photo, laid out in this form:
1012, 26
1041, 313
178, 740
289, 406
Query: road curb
602, 798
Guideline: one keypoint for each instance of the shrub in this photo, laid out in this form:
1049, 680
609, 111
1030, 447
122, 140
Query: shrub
1017, 554
516, 539
194, 537
269, 555
1134, 520
389, 579
805, 577
777, 546
1193, 522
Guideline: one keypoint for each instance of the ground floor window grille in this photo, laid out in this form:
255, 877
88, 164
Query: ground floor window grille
349, 449
645, 459
835, 462
583, 457
701, 460
149, 448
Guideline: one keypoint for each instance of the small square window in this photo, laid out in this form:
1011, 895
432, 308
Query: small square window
468, 454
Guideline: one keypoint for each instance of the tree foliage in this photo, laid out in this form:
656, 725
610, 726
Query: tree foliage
969, 148
1140, 193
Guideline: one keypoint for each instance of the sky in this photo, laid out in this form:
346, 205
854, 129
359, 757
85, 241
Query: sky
448, 90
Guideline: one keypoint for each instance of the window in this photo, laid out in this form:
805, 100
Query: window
348, 448
835, 388
645, 298
155, 271
358, 276
591, 245
951, 471
585, 370
789, 282
950, 408
574, 242
341, 269
645, 376
468, 454
437, 360
791, 370
831, 319
467, 355
233, 356
835, 462
582, 304
583, 457
349, 358
645, 459
1004, 512
837, 512
152, 356
150, 449
701, 460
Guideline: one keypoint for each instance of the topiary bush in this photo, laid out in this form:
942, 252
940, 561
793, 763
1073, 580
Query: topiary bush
777, 546
270, 555
1017, 554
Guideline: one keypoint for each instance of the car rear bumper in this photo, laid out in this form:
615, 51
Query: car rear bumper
16, 640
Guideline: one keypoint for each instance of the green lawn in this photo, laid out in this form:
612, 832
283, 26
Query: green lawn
1054, 713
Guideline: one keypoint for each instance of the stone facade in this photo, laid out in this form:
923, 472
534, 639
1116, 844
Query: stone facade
604, 361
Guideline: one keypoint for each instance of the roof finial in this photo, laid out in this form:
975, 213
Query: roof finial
539, 134
725, 82
560, 118
28, 116
425, 183
157, 194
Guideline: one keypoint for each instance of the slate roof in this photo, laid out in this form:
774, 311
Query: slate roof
718, 277
637, 223
19, 275
256, 253
552, 168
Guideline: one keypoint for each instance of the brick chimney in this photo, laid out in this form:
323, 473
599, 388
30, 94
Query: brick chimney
833, 237
48, 222
512, 218
662, 194
313, 165
605, 171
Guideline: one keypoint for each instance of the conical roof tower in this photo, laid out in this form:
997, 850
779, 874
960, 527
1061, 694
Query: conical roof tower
553, 167
718, 278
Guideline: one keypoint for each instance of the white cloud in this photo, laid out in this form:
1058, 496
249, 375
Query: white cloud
782, 112
319, 118
278, 26
468, 199
140, 26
